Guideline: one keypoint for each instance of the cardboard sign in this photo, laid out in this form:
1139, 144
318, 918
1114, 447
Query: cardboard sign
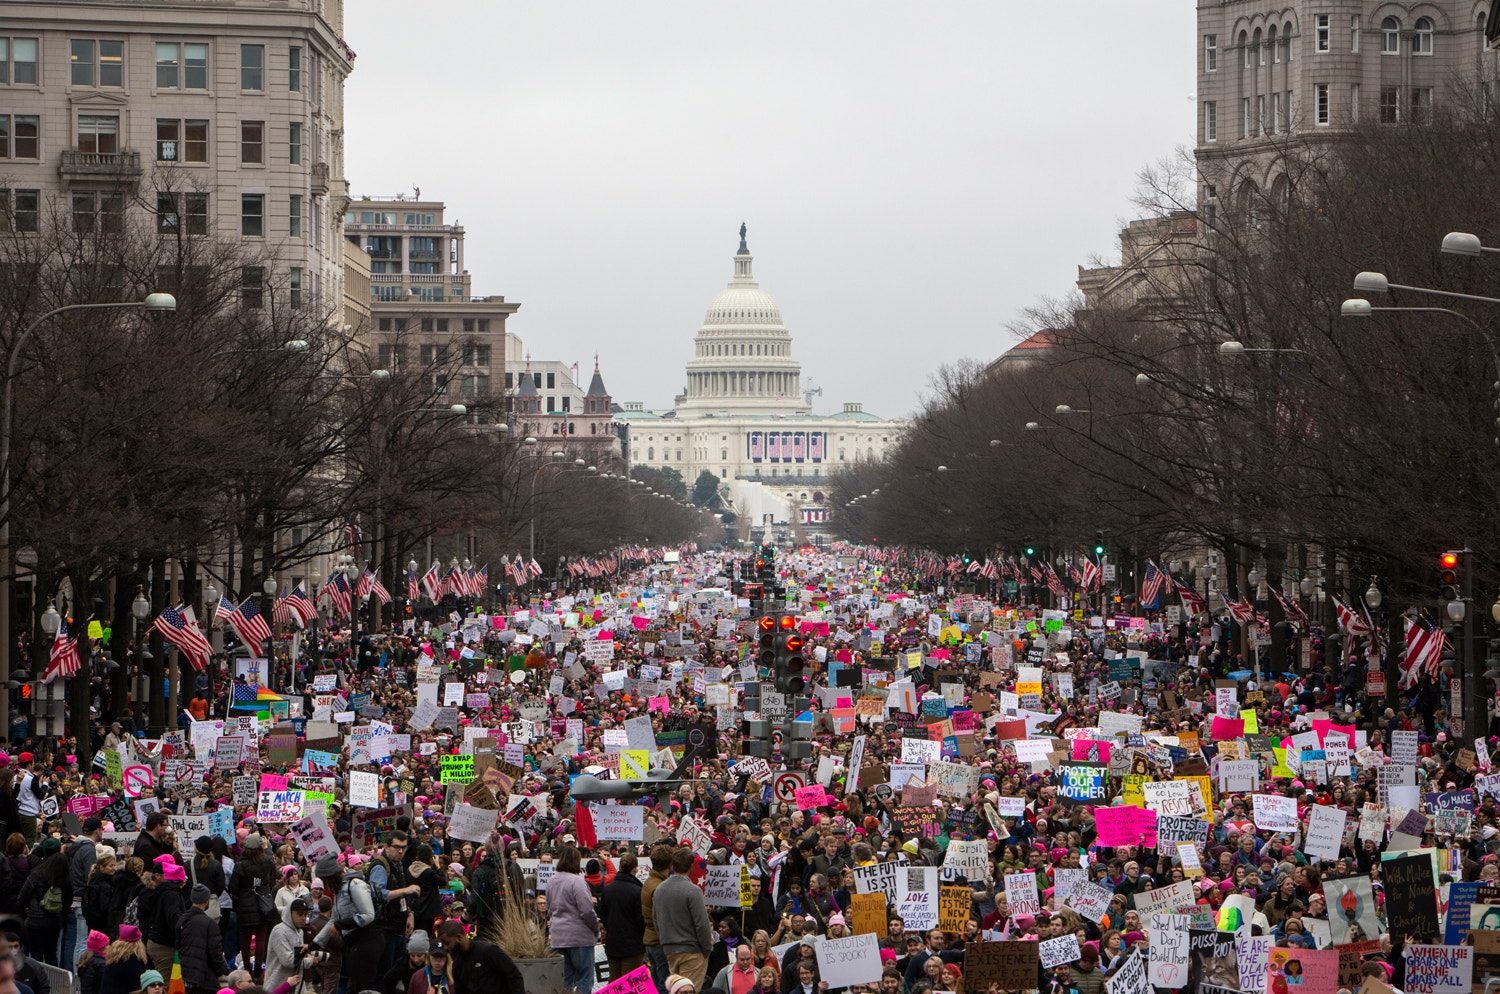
955, 907
1011, 965
456, 769
867, 913
279, 807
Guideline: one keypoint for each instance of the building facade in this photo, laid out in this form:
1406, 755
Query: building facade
422, 314
743, 417
1274, 76
224, 119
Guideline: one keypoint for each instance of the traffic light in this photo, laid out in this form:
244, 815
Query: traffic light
1031, 552
766, 655
1448, 564
791, 665
1098, 545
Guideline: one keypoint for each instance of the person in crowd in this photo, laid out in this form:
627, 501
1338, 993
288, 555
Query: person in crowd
573, 923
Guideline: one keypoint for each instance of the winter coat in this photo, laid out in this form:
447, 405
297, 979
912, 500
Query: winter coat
281, 951
166, 908
50, 872
91, 975
201, 950
624, 922
653, 881
570, 912
251, 875
124, 976
105, 898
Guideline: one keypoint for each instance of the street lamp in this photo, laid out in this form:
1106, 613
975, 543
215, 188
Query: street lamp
269, 586
156, 303
1495, 610
140, 608
51, 620
1377, 283
1144, 380
1234, 348
1372, 595
1463, 243
1356, 307
1307, 586
1253, 577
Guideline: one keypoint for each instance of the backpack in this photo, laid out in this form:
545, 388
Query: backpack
214, 912
52, 900
132, 913
96, 904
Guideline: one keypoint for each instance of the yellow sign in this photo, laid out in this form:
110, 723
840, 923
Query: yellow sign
1252, 722
1132, 792
867, 914
634, 764
1206, 788
96, 630
1279, 768
913, 660
746, 898
1022, 689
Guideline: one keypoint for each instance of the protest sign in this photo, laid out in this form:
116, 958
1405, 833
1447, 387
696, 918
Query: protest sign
1325, 832
472, 823
279, 807
867, 913
1410, 895
1010, 965
1275, 813
848, 961
1168, 963
1129, 977
1063, 949
624, 822
1021, 894
1438, 969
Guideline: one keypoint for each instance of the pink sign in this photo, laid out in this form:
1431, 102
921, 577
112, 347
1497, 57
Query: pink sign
1125, 826
1324, 725
810, 797
84, 805
1227, 729
1090, 750
662, 704
273, 781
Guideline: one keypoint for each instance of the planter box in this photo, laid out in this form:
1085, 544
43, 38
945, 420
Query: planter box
542, 976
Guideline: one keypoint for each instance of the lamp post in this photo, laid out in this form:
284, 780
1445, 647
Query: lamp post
156, 302
268, 587
140, 610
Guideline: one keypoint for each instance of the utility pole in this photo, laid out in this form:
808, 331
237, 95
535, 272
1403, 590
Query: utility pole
1476, 701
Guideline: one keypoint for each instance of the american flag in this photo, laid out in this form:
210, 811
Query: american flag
1093, 576
63, 660
482, 580
1190, 598
246, 622
178, 626
295, 604
413, 587
352, 535
362, 585
1292, 610
1153, 581
337, 592
1054, 582
1350, 620
1424, 651
243, 693
533, 568
1243, 610
432, 583
378, 589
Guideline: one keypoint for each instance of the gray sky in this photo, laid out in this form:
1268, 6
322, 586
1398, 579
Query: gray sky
914, 174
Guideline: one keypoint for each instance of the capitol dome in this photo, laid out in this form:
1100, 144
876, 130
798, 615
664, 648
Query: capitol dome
742, 356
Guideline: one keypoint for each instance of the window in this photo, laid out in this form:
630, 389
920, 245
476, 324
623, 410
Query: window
1390, 104
1245, 48
1286, 112
1322, 33
98, 133
196, 213
1354, 32
1390, 36
294, 286
1210, 121
1260, 115
1244, 117
294, 216
19, 136
253, 214
484, 326
252, 287
181, 65
99, 63
18, 61
252, 67
1286, 39
476, 355
1272, 44
551, 381
253, 141
391, 356
1320, 103
434, 354
294, 144
1354, 102
294, 69
1421, 39
1274, 121
99, 212
181, 141
1421, 105
20, 210
1260, 50
167, 216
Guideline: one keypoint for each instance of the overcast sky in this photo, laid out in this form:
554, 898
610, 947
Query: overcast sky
914, 174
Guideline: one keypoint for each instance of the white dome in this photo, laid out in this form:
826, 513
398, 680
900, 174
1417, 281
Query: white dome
743, 305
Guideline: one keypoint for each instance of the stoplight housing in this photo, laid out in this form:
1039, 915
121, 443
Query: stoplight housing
1099, 548
1448, 564
791, 665
766, 654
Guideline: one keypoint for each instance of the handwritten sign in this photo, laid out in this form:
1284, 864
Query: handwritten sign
456, 769
279, 807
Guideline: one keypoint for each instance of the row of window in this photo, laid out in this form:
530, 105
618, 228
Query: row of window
100, 62
1256, 122
439, 325
388, 218
721, 349
395, 294
1257, 48
393, 355
176, 213
177, 139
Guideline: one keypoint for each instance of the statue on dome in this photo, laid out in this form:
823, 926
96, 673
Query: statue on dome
743, 246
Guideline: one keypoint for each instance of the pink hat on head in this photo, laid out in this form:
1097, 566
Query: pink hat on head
173, 874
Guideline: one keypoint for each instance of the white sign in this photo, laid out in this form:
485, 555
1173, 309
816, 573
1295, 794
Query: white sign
1021, 895
1274, 813
1404, 747
1130, 977
364, 789
1060, 950
1168, 965
721, 888
970, 857
471, 823
1325, 832
619, 821
849, 961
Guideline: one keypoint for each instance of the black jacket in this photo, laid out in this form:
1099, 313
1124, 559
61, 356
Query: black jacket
248, 877
485, 967
167, 906
123, 977
201, 950
622, 917
147, 848
50, 872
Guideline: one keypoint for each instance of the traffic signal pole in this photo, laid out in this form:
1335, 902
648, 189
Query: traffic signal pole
1476, 700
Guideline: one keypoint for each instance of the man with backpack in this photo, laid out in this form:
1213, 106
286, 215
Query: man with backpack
199, 945
353, 920
81, 856
391, 885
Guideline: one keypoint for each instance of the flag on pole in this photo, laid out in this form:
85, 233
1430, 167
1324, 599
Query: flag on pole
1350, 620
295, 604
432, 583
378, 589
246, 621
1191, 599
63, 660
179, 627
1424, 651
337, 592
1153, 581
413, 587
